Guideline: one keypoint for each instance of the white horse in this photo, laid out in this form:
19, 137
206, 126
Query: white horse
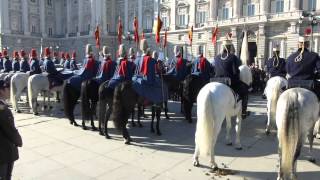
39, 83
19, 83
275, 86
3, 75
297, 113
216, 102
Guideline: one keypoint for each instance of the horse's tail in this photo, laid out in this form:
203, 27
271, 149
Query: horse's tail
70, 97
205, 113
85, 104
117, 109
102, 103
13, 93
274, 99
290, 135
30, 92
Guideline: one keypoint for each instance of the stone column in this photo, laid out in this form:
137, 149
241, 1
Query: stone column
173, 15
192, 13
80, 16
282, 48
140, 15
43, 18
25, 16
125, 25
213, 10
318, 6
68, 18
104, 17
236, 8
235, 40
262, 53
264, 7
5, 16
294, 5
93, 16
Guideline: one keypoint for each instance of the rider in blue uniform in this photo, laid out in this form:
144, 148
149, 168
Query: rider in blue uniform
7, 64
34, 64
227, 66
124, 69
56, 58
15, 62
202, 67
89, 70
73, 63
276, 66
107, 67
302, 66
24, 64
67, 62
180, 68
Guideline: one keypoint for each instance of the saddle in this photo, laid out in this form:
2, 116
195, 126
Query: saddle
307, 84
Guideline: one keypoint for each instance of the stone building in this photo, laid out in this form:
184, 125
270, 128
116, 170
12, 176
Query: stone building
67, 25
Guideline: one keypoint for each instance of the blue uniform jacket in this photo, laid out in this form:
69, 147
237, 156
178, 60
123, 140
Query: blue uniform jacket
34, 67
56, 61
107, 70
67, 64
180, 70
124, 72
89, 71
7, 65
73, 65
1, 63
304, 69
202, 67
275, 68
15, 65
228, 67
24, 65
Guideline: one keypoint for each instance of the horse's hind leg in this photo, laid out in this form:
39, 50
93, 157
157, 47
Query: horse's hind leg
238, 130
93, 110
310, 139
158, 114
213, 163
228, 127
166, 109
132, 118
196, 156
139, 115
107, 116
126, 135
153, 112
268, 126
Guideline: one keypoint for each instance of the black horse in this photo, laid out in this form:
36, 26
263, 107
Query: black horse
191, 87
70, 98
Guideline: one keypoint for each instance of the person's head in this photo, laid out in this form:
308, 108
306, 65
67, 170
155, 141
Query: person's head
47, 52
276, 51
106, 52
16, 55
226, 45
5, 53
63, 55
73, 55
122, 51
67, 56
23, 54
155, 55
144, 46
131, 53
89, 50
33, 54
303, 43
177, 51
4, 89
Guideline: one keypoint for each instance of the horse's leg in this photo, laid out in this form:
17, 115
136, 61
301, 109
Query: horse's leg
188, 110
93, 108
228, 127
269, 117
153, 111
158, 114
126, 135
107, 116
139, 114
196, 156
102, 112
166, 109
213, 163
132, 118
310, 139
44, 100
144, 115
57, 96
238, 130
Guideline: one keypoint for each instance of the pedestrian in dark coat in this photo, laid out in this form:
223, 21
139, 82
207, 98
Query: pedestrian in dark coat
10, 138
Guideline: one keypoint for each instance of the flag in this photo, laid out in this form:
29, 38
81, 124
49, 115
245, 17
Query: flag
215, 31
136, 30
244, 56
157, 29
119, 31
97, 37
191, 35
165, 39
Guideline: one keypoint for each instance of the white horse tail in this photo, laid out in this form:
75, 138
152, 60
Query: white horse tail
289, 135
205, 113
30, 92
274, 99
13, 91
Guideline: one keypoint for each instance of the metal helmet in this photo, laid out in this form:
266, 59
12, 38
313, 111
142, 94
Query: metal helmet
122, 51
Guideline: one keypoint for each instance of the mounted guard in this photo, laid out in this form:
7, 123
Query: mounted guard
56, 58
179, 69
73, 63
34, 63
15, 62
107, 67
7, 64
24, 64
303, 68
202, 67
63, 59
227, 66
276, 66
66, 64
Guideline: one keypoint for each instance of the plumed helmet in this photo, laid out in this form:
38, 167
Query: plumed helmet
89, 50
55, 54
47, 52
62, 55
131, 53
22, 53
155, 55
33, 53
74, 55
67, 56
15, 54
144, 46
5, 53
122, 51
177, 50
105, 51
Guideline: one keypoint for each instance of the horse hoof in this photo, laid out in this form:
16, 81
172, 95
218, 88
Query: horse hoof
101, 133
196, 163
140, 125
75, 124
159, 133
167, 117
18, 111
36, 114
152, 131
127, 141
84, 128
94, 129
238, 148
267, 132
107, 136
229, 144
312, 160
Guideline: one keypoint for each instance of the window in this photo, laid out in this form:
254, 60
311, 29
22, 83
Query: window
147, 22
201, 16
49, 2
251, 8
89, 27
33, 1
279, 6
50, 31
225, 12
201, 49
33, 28
183, 16
182, 19
312, 5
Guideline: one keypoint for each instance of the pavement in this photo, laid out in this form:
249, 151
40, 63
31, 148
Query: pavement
53, 149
